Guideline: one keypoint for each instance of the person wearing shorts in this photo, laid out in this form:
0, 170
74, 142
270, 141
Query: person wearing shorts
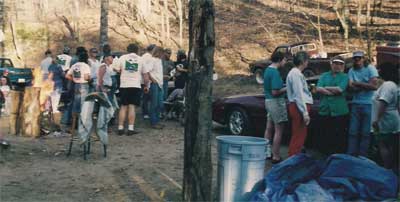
131, 68
275, 105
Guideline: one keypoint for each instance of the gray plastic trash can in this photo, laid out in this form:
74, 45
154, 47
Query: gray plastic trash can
241, 163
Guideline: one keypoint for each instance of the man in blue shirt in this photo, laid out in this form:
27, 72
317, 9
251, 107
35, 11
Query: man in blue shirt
275, 105
363, 82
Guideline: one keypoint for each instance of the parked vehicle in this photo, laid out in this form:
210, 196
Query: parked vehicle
18, 77
246, 115
318, 62
388, 55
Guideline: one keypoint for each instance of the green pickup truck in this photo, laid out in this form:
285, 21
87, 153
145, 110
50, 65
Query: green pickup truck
18, 77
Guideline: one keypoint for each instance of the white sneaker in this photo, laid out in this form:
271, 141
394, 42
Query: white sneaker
268, 151
146, 116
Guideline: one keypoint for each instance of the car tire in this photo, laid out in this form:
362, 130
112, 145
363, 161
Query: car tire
308, 73
259, 75
238, 122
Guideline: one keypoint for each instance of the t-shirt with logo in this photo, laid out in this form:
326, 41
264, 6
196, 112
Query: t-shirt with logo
131, 68
64, 61
78, 72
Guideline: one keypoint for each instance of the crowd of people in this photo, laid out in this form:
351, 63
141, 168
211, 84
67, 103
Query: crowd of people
127, 81
373, 108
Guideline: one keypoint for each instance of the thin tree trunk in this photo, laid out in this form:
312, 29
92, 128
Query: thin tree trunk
104, 22
77, 19
342, 13
367, 28
180, 13
359, 9
167, 21
162, 23
2, 26
197, 181
321, 41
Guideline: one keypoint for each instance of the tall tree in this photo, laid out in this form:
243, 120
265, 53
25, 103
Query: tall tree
2, 23
180, 14
197, 156
342, 12
104, 22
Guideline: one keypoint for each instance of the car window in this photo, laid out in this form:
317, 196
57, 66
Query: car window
7, 63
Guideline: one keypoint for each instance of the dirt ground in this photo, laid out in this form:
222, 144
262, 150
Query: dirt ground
144, 167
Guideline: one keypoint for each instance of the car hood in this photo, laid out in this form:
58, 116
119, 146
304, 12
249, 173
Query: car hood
245, 95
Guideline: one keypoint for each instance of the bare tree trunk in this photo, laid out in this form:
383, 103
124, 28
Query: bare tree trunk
167, 21
368, 32
197, 181
342, 12
104, 22
321, 41
2, 26
359, 9
77, 18
162, 23
180, 13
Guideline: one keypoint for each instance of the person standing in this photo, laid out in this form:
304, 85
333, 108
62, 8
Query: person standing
363, 82
386, 119
94, 67
64, 60
168, 65
275, 105
79, 74
147, 60
56, 74
181, 67
153, 81
131, 68
45, 64
300, 101
333, 107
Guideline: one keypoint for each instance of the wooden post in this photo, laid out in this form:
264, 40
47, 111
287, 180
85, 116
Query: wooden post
197, 182
30, 113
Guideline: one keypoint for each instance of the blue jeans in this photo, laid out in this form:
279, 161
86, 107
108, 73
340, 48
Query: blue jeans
145, 103
81, 91
155, 103
165, 90
359, 130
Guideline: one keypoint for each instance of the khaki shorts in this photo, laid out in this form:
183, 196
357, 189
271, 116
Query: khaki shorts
276, 110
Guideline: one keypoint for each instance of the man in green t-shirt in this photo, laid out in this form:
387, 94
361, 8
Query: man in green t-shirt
275, 105
333, 107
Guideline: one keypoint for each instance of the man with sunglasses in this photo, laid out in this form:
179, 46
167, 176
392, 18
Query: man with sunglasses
363, 79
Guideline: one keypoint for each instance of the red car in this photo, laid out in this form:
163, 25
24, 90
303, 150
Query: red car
246, 115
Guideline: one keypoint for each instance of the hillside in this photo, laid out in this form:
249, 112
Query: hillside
244, 31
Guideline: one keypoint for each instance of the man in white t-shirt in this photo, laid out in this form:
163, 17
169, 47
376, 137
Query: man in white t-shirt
94, 66
64, 60
79, 73
153, 84
147, 60
131, 69
45, 64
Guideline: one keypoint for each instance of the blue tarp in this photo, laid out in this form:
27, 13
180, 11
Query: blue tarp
340, 178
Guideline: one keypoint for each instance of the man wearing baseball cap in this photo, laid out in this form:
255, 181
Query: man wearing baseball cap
362, 82
333, 107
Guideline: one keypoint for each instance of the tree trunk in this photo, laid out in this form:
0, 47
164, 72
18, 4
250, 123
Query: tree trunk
180, 13
2, 26
342, 12
359, 9
167, 22
30, 112
104, 22
321, 41
197, 181
368, 32
162, 23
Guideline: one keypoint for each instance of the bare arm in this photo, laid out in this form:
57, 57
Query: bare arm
69, 77
324, 91
278, 92
371, 85
101, 73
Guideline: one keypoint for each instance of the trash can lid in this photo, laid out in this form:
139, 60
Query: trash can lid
245, 140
